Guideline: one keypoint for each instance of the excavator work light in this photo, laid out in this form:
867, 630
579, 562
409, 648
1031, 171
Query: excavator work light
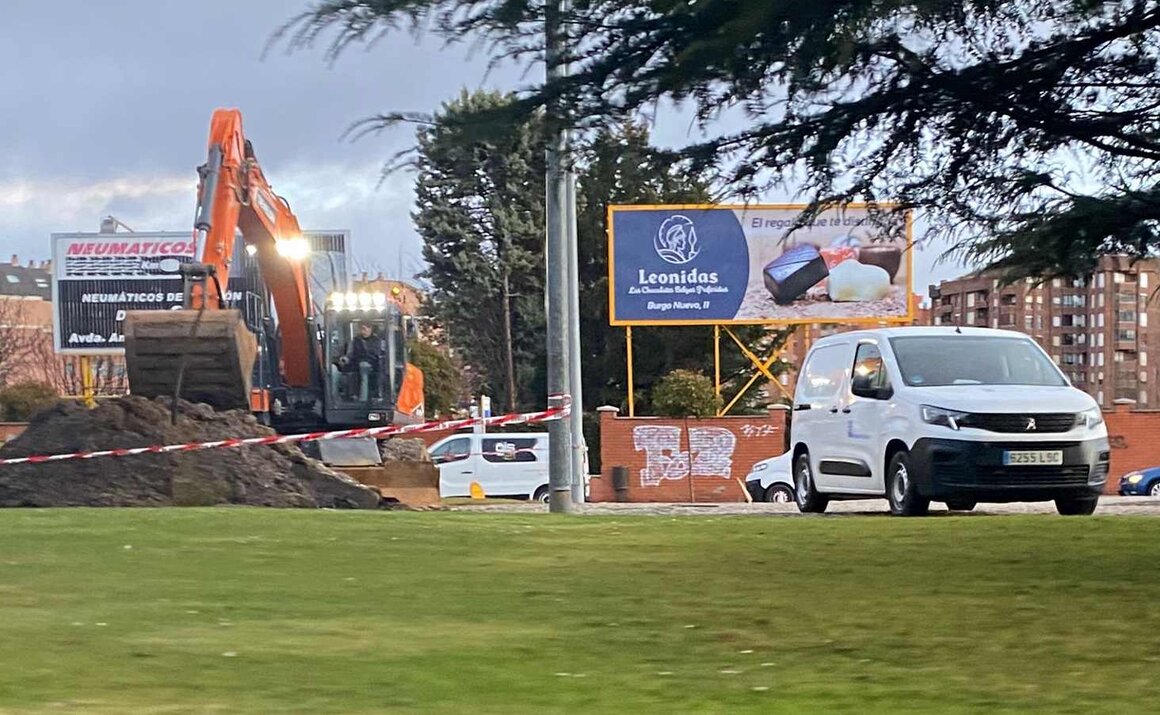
294, 249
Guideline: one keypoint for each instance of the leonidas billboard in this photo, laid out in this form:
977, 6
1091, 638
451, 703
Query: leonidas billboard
716, 265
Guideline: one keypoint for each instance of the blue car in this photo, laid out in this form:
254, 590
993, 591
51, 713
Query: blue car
1143, 482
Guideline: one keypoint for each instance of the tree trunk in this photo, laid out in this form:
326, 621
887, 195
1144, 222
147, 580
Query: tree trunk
509, 354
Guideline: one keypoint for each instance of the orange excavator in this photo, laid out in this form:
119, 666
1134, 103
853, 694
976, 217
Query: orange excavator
346, 367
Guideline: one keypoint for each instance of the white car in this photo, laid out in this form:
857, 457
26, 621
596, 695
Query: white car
943, 414
771, 480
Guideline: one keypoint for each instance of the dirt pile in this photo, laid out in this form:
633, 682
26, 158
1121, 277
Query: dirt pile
276, 476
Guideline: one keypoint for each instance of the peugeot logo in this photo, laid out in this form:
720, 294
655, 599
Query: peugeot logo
1030, 424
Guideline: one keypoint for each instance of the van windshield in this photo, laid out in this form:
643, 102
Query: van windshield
936, 361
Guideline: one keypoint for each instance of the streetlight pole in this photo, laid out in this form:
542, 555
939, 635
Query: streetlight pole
556, 293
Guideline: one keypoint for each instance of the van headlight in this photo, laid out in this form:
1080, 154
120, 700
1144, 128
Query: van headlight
1134, 478
939, 416
759, 467
1090, 418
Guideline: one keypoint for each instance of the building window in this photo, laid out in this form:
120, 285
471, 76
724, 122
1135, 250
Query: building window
1143, 397
1055, 340
1118, 356
970, 315
1100, 320
1143, 358
1117, 278
1126, 335
1100, 282
1143, 280
970, 300
1007, 299
11, 278
1143, 320
1027, 322
1126, 316
1039, 322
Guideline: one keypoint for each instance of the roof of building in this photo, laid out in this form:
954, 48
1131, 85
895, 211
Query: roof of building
31, 280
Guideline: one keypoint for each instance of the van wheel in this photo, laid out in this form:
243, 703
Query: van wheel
961, 505
779, 494
805, 494
542, 495
1077, 506
901, 491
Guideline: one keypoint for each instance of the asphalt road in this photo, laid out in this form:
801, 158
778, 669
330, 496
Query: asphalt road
1113, 506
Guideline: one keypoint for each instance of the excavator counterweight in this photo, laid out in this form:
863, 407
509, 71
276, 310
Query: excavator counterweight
206, 355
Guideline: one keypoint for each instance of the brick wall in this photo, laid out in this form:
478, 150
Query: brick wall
1135, 439
684, 460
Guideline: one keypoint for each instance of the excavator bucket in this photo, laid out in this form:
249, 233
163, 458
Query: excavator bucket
210, 352
411, 483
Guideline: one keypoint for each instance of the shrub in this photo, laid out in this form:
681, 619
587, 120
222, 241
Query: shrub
684, 393
18, 402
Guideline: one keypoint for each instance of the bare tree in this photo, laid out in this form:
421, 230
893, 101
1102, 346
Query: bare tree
19, 332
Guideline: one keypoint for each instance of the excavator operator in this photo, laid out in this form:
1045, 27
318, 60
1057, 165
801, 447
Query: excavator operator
363, 353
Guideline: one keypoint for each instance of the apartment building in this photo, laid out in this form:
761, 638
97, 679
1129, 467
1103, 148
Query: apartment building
1103, 331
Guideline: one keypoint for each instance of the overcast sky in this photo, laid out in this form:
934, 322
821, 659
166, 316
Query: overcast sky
106, 109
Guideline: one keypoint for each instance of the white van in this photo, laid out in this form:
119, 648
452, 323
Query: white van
504, 464
943, 414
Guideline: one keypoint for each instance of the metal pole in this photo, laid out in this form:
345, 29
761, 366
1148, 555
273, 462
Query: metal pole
575, 375
556, 293
628, 359
88, 393
717, 363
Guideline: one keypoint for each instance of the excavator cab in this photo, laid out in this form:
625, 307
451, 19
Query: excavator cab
365, 354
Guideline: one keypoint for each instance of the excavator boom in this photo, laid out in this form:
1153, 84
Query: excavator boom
205, 351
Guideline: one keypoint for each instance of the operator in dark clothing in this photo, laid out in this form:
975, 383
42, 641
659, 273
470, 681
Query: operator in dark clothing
364, 353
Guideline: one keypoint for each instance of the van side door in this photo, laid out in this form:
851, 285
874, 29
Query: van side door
511, 463
865, 414
816, 405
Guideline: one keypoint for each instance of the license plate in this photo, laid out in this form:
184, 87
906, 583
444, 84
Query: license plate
1053, 458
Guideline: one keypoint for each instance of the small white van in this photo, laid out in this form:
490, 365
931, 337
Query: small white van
958, 415
504, 464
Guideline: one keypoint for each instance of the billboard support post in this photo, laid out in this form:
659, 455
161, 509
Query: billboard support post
88, 393
628, 359
762, 369
717, 360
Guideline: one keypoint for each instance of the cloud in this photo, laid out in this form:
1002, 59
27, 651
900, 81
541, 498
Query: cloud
323, 196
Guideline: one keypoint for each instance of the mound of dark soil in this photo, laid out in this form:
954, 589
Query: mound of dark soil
277, 476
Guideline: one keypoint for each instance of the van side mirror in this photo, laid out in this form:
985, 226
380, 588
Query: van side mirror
862, 386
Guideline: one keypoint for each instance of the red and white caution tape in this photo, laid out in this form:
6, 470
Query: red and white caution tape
385, 431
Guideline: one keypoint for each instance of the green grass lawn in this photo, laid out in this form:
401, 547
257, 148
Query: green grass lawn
241, 610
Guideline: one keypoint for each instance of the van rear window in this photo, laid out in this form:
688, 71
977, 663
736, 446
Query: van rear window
937, 361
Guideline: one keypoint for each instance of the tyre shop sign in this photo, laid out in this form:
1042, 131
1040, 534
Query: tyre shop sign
97, 278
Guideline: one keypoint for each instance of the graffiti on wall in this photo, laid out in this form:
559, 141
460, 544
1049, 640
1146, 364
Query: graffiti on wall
710, 449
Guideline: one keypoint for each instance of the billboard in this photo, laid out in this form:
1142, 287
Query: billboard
98, 277
721, 265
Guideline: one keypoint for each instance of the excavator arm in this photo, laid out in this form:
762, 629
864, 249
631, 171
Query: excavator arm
205, 352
